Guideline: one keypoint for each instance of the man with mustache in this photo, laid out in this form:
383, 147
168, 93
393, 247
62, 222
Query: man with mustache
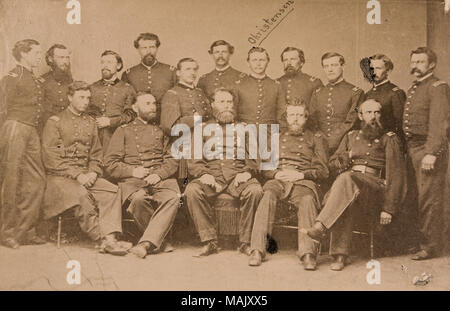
57, 81
303, 159
425, 126
389, 95
333, 107
139, 158
150, 75
294, 83
216, 173
372, 169
73, 158
223, 75
111, 98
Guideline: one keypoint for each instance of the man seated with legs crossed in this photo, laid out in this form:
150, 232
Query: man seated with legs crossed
372, 176
303, 158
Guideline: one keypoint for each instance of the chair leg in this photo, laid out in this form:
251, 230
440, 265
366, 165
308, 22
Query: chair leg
371, 242
58, 237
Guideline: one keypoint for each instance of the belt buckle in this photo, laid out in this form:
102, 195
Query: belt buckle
363, 169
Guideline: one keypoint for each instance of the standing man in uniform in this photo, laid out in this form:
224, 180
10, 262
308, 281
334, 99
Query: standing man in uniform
216, 173
22, 175
73, 159
294, 83
334, 106
57, 81
425, 126
150, 75
303, 160
111, 98
372, 168
223, 75
139, 158
390, 96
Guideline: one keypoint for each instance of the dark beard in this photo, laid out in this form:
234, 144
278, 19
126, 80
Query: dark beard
290, 71
372, 132
224, 117
295, 130
149, 117
107, 76
148, 60
62, 75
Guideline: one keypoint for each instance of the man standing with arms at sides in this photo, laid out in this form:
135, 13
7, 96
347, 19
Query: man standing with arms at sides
57, 81
303, 158
390, 96
150, 76
22, 175
294, 83
425, 127
216, 172
334, 106
139, 158
223, 75
111, 98
73, 160
259, 99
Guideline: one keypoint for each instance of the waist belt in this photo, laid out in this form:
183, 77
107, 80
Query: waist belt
366, 170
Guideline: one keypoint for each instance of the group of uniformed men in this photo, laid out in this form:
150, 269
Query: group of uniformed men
103, 147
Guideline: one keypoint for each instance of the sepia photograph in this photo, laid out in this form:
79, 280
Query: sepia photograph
224, 146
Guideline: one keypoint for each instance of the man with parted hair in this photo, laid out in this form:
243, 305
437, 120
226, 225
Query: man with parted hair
57, 80
303, 159
223, 75
294, 83
334, 106
371, 182
111, 98
22, 175
150, 76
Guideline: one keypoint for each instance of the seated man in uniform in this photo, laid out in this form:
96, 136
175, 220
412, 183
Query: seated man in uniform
303, 159
219, 173
372, 168
139, 158
72, 156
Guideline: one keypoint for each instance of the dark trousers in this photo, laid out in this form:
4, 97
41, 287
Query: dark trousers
22, 180
430, 192
307, 206
155, 223
200, 198
351, 192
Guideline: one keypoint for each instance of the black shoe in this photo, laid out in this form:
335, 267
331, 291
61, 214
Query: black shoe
338, 263
35, 240
422, 255
11, 243
309, 262
255, 258
208, 249
244, 248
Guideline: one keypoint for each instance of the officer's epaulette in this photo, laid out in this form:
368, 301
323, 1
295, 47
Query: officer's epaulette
125, 125
312, 79
54, 118
127, 84
128, 70
390, 134
355, 89
242, 75
172, 68
172, 91
237, 81
13, 74
41, 79
439, 82
277, 82
351, 132
318, 89
395, 89
203, 76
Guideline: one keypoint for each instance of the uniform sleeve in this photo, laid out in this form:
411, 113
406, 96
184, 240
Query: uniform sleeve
54, 154
197, 167
281, 108
352, 115
7, 85
437, 127
319, 162
125, 77
95, 161
170, 111
170, 165
340, 160
114, 158
128, 113
313, 112
395, 175
202, 84
275, 154
398, 104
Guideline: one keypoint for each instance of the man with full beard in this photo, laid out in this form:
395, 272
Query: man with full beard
57, 81
294, 83
111, 98
372, 169
150, 76
217, 172
139, 158
303, 159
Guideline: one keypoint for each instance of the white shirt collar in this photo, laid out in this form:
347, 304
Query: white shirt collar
425, 77
381, 83
223, 69
73, 111
142, 120
189, 86
149, 67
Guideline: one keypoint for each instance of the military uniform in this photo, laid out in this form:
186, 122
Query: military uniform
306, 153
299, 86
425, 125
200, 197
219, 78
371, 172
143, 144
334, 110
156, 79
392, 100
56, 88
22, 175
111, 99
71, 147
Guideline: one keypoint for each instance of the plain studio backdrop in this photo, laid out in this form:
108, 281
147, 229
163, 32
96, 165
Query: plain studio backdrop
187, 28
